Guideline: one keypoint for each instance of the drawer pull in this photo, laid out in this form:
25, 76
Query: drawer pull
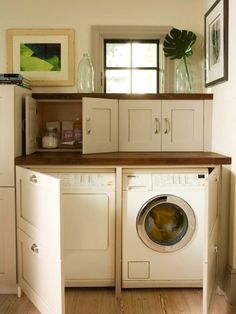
157, 126
34, 248
33, 178
167, 130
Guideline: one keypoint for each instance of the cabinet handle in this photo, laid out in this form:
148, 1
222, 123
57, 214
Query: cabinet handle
167, 130
34, 248
33, 178
157, 126
88, 121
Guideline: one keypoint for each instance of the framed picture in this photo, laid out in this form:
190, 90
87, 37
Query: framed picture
216, 43
44, 56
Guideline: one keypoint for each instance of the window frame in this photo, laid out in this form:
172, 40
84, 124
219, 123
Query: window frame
131, 68
102, 32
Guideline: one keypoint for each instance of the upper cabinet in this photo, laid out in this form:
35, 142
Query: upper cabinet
111, 125
100, 125
182, 125
11, 98
140, 125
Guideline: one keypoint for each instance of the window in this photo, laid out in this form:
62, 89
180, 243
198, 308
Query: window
131, 66
135, 34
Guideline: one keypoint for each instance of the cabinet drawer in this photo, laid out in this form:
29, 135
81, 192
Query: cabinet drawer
36, 276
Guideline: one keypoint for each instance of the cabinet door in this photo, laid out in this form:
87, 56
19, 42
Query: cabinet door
210, 259
7, 241
6, 135
182, 125
30, 125
139, 125
40, 253
100, 125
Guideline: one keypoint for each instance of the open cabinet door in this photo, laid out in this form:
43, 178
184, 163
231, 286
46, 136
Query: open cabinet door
210, 264
30, 125
39, 240
100, 125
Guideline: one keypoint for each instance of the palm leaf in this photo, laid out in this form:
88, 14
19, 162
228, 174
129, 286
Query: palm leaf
178, 44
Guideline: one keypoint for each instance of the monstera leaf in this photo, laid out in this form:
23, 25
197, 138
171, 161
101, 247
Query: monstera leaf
178, 44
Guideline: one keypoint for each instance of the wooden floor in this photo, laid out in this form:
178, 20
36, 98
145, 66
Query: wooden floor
133, 301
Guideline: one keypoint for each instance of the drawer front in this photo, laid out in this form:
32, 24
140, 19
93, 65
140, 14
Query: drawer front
38, 207
38, 275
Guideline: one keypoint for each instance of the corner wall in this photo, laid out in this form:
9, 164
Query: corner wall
224, 138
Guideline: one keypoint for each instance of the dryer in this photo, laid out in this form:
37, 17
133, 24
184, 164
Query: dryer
163, 227
88, 202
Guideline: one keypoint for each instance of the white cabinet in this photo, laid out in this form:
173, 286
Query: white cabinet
11, 99
100, 125
111, 125
161, 125
99, 117
65, 232
39, 236
139, 125
212, 225
182, 125
7, 241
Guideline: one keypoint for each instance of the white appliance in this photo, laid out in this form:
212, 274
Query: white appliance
89, 228
162, 231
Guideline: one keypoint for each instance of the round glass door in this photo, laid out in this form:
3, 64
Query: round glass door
166, 223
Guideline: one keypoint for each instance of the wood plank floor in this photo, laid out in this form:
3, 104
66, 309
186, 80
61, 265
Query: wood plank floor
133, 301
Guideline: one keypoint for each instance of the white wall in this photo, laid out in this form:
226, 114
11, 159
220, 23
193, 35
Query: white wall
80, 15
224, 126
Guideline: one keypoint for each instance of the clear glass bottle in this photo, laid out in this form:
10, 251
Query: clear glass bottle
85, 75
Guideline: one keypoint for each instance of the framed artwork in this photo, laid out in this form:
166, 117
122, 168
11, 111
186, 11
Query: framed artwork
216, 43
44, 56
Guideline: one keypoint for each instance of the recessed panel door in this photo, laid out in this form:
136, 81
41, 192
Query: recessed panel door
139, 125
182, 125
210, 263
100, 125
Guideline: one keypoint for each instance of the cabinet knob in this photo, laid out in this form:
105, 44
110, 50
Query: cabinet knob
34, 248
33, 178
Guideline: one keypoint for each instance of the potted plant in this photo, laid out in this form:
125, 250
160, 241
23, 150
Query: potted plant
178, 45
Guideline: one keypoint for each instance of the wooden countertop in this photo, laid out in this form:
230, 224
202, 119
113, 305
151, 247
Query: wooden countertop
124, 159
79, 96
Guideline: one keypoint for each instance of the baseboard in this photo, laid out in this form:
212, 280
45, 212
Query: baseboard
230, 285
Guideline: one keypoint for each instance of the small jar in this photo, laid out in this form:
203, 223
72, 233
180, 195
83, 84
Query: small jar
50, 138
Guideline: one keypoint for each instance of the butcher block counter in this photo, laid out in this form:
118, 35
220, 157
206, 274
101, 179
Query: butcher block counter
124, 159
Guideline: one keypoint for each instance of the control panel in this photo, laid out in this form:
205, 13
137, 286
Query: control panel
86, 180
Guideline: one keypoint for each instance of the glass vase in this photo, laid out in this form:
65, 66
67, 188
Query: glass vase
184, 78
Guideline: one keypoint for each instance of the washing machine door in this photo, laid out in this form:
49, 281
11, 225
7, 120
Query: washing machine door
166, 223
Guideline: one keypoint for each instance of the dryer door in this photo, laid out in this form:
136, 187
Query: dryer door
166, 223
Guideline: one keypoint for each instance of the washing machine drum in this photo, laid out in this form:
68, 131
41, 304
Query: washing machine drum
166, 223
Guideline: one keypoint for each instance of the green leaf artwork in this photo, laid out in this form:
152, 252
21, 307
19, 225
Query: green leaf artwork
40, 57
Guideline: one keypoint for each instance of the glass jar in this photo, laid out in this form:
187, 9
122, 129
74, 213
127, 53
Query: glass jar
50, 138
85, 75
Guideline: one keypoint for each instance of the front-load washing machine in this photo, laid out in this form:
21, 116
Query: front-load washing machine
163, 227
